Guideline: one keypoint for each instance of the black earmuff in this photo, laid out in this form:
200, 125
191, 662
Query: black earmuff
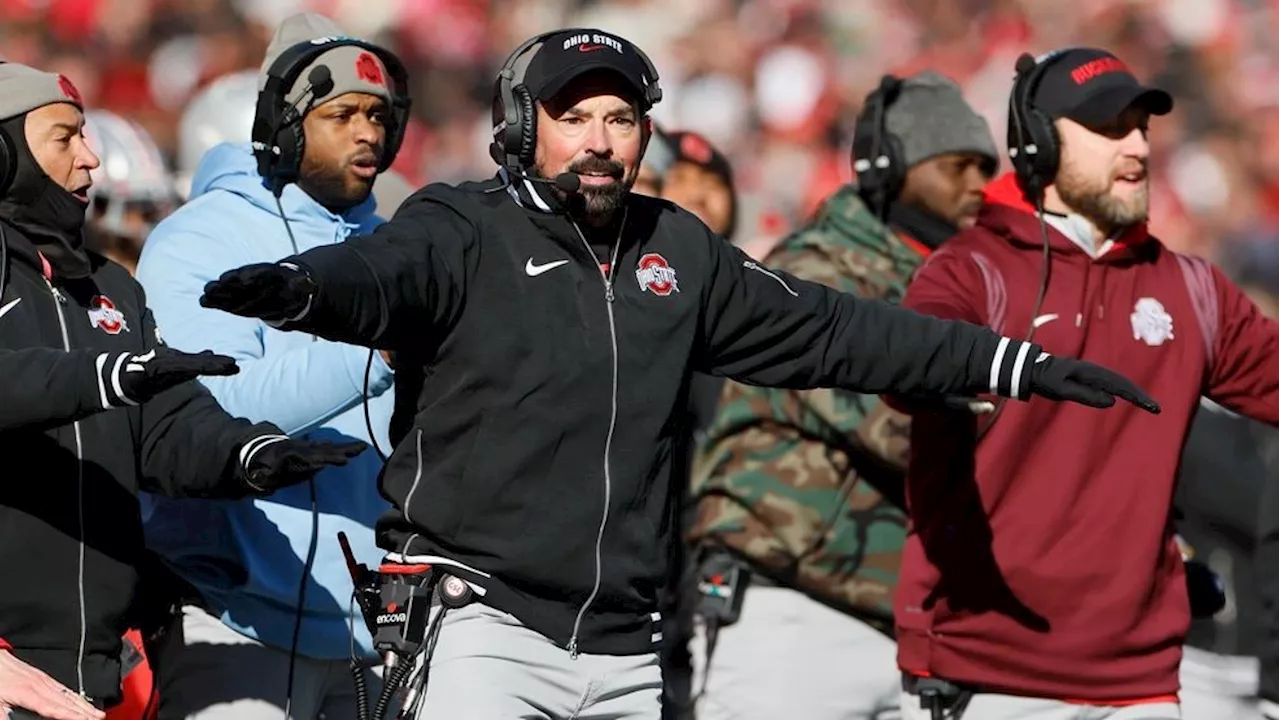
877, 153
1033, 143
515, 120
8, 162
278, 139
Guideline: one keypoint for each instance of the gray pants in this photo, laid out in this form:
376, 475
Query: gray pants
992, 706
790, 656
1217, 686
487, 665
211, 672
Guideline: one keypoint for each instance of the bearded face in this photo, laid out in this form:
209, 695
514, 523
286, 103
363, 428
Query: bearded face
1103, 171
595, 130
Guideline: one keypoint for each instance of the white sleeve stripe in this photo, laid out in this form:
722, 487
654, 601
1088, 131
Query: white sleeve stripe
101, 363
1023, 349
995, 365
251, 448
115, 379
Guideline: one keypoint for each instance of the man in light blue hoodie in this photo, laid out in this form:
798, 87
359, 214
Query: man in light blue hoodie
233, 654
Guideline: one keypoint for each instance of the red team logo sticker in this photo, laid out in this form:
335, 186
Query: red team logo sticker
369, 69
69, 90
694, 146
655, 275
104, 316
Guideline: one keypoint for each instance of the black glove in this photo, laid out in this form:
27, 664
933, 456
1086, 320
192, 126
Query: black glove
1060, 378
270, 462
275, 292
1204, 589
129, 379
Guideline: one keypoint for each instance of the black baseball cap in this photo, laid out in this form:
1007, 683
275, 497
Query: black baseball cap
572, 53
1093, 87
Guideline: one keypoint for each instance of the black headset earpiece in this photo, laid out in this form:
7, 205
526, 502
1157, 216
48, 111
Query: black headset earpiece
877, 158
8, 162
515, 120
1032, 137
278, 138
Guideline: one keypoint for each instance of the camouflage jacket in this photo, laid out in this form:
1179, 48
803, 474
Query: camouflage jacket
787, 480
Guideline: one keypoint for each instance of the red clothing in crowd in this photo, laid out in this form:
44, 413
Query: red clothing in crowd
1041, 559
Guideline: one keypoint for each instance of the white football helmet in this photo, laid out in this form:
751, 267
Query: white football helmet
222, 112
132, 171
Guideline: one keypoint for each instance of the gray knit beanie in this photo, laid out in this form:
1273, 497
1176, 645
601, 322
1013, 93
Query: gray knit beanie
23, 89
352, 69
930, 117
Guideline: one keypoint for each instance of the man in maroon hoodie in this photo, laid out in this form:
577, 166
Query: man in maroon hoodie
1040, 578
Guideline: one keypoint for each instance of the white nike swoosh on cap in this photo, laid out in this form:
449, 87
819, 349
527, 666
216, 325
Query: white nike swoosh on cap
535, 270
9, 306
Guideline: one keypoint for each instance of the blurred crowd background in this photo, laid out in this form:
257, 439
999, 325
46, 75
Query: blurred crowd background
775, 84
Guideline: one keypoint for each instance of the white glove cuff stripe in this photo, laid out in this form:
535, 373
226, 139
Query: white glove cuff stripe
1015, 387
306, 308
100, 364
251, 448
115, 380
995, 365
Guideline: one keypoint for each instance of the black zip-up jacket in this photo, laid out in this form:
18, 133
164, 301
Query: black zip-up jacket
540, 456
75, 458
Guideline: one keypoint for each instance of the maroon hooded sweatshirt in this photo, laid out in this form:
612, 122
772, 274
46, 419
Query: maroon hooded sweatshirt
1041, 559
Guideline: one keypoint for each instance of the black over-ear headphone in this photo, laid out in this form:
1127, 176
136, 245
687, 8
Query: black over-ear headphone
8, 160
515, 121
278, 140
1032, 138
877, 153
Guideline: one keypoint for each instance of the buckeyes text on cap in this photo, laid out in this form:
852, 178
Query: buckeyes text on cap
1093, 87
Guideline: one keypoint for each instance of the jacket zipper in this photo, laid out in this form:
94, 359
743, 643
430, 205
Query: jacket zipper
59, 301
613, 420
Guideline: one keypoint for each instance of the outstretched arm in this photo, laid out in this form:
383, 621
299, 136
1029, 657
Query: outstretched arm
766, 327
46, 388
191, 447
1245, 354
384, 290
298, 388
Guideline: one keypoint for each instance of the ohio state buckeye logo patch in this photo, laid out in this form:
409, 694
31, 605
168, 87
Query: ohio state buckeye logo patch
655, 275
104, 316
369, 69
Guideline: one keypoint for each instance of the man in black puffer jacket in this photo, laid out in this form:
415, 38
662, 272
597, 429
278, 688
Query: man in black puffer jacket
93, 407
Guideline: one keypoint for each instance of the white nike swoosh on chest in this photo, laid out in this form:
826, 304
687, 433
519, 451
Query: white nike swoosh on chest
1041, 320
535, 270
9, 306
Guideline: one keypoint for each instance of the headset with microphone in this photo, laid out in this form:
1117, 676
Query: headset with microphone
1034, 151
877, 153
278, 140
278, 145
8, 171
515, 128
1034, 148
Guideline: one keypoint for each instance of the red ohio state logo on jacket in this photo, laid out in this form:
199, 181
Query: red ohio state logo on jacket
655, 275
104, 315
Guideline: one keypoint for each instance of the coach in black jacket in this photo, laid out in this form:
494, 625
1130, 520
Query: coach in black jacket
557, 323
92, 408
